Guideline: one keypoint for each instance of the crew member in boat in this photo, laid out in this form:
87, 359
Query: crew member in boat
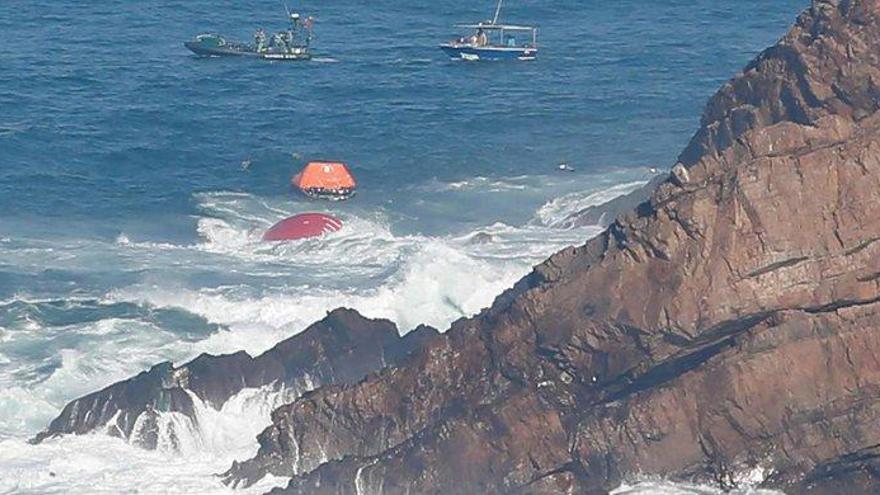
480, 38
307, 25
277, 40
295, 21
260, 40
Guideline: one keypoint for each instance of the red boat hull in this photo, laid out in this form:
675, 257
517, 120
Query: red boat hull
302, 226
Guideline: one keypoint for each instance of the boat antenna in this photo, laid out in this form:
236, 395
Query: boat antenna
497, 12
286, 9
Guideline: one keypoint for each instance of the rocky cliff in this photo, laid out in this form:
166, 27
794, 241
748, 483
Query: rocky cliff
342, 348
727, 329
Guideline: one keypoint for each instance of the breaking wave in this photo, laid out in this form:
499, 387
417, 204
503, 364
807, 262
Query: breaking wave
557, 212
663, 487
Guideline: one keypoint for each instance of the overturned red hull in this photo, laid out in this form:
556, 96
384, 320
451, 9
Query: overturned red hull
302, 226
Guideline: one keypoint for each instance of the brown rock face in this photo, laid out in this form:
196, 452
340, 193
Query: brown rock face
731, 322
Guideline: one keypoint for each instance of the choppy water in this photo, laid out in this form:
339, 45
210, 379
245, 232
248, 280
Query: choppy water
129, 232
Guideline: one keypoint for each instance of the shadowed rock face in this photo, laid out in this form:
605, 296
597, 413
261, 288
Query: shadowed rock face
342, 348
731, 323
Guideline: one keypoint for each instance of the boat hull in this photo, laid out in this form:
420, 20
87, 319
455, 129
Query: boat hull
467, 52
329, 194
232, 51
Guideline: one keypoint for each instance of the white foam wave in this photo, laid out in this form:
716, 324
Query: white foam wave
662, 487
436, 285
409, 279
486, 184
358, 244
74, 361
191, 450
532, 243
101, 464
234, 427
556, 212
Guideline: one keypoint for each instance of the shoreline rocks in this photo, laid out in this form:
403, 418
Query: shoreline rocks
342, 348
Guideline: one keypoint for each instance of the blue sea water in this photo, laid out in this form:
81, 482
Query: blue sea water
130, 231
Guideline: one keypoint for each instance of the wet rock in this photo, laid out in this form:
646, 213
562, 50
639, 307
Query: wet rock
342, 348
680, 175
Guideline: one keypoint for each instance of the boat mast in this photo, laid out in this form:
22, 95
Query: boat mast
497, 12
287, 11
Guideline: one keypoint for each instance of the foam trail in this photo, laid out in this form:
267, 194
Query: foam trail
234, 427
73, 360
437, 283
185, 452
557, 212
661, 487
102, 464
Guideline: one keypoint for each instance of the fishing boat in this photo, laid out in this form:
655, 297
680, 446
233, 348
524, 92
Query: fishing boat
291, 44
494, 41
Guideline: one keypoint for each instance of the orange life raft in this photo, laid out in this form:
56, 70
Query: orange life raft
325, 180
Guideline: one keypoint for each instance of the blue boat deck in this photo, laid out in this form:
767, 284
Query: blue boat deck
471, 52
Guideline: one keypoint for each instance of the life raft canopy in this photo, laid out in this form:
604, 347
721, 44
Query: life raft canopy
325, 180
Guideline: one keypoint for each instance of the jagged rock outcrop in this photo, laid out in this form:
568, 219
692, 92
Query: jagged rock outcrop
730, 324
342, 348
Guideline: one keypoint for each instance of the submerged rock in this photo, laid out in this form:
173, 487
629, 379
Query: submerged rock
342, 348
481, 238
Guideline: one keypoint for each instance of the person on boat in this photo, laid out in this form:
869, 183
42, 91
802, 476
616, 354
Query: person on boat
295, 23
307, 25
278, 40
482, 39
260, 40
285, 39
